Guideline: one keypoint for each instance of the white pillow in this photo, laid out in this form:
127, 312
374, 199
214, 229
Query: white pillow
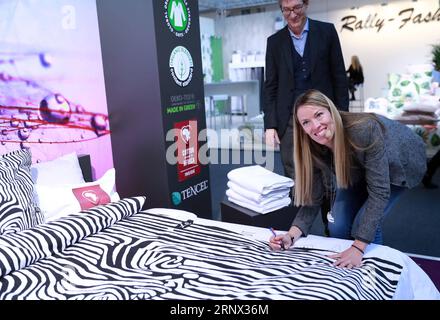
425, 104
61, 200
62, 170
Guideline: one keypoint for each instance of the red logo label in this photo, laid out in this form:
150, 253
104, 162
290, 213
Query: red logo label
91, 196
187, 147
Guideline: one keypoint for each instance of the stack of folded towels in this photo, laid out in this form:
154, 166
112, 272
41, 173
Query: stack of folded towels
258, 189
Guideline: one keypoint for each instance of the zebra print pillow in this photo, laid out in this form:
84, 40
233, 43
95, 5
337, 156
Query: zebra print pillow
24, 248
18, 210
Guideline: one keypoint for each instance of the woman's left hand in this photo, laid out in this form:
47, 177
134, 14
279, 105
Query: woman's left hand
349, 258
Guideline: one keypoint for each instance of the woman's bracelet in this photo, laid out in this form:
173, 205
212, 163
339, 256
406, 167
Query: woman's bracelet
358, 248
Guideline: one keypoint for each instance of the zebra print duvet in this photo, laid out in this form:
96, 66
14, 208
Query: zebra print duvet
18, 209
116, 252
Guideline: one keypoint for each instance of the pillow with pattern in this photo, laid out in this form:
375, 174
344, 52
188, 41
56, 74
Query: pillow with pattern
405, 88
18, 209
62, 200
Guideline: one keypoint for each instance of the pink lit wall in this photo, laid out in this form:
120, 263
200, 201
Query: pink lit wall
52, 94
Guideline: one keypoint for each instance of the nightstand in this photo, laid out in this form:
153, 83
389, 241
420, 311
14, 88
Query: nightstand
279, 219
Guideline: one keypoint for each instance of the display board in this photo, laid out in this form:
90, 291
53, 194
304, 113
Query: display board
154, 84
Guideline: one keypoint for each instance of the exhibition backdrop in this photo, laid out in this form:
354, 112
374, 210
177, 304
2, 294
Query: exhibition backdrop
119, 80
52, 94
154, 82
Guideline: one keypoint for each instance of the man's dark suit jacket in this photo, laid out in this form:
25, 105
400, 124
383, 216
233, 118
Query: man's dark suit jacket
328, 73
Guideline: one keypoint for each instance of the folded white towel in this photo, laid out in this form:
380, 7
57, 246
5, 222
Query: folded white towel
258, 179
267, 201
274, 205
258, 197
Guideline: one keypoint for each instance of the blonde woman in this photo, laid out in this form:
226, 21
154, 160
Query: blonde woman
364, 162
355, 75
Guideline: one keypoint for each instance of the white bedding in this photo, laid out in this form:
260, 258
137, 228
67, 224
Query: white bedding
413, 284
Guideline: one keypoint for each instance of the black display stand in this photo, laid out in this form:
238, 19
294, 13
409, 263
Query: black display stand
144, 62
279, 219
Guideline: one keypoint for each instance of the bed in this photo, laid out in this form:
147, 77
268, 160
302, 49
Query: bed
119, 251
116, 251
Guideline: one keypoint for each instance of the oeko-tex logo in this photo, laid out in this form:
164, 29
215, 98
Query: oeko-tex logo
177, 16
181, 66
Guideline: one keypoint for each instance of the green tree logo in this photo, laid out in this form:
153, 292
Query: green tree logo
181, 66
178, 16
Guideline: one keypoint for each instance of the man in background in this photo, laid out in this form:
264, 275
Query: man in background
306, 54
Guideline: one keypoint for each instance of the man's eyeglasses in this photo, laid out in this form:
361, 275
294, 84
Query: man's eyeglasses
296, 9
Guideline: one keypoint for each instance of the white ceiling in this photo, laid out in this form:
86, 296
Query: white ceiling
207, 5
314, 5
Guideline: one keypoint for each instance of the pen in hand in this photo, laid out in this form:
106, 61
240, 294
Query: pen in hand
274, 234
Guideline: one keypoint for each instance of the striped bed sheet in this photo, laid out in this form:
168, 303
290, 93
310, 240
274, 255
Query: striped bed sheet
413, 282
118, 252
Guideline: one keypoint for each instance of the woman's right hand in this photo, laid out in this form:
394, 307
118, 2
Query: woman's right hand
286, 240
280, 242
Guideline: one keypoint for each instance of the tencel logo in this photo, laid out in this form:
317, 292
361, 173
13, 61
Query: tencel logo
177, 16
194, 190
176, 198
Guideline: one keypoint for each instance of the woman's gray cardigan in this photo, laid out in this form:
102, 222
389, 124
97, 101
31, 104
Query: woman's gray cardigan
397, 157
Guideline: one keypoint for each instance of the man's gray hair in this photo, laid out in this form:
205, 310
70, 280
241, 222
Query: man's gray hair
306, 2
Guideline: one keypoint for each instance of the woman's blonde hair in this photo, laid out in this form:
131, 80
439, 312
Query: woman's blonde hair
355, 63
307, 152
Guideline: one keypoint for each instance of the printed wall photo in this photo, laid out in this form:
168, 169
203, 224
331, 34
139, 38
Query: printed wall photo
52, 92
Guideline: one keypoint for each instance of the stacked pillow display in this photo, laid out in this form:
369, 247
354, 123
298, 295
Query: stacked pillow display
258, 189
425, 110
406, 87
61, 189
